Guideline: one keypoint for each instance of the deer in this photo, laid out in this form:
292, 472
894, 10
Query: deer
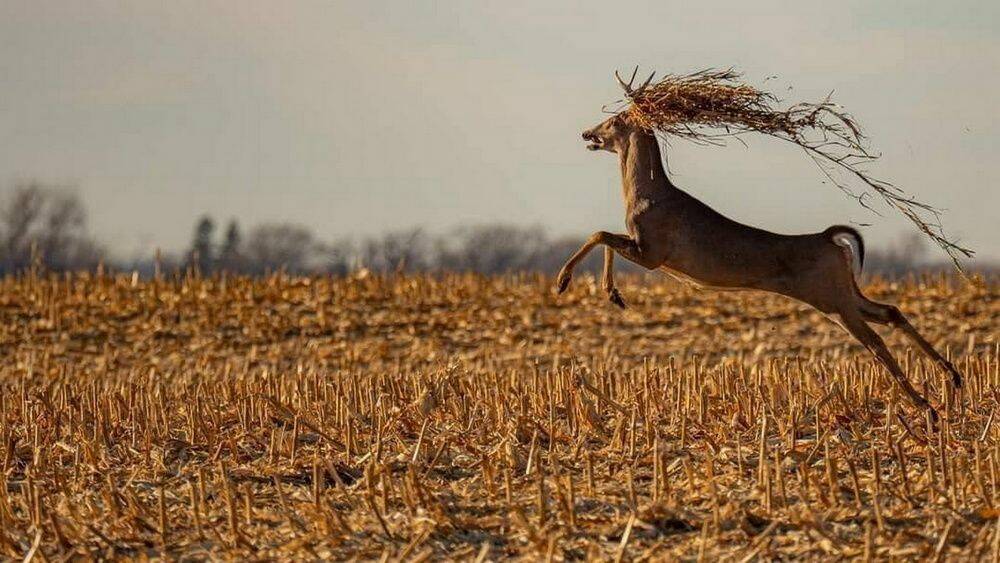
671, 231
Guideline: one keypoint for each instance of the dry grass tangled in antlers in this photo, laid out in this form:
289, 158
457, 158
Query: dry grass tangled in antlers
712, 105
472, 418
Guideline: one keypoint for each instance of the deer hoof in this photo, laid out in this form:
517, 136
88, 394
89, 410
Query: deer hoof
563, 282
616, 298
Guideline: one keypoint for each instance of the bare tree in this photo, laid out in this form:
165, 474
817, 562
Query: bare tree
274, 246
48, 224
21, 211
338, 257
491, 249
202, 252
231, 257
397, 251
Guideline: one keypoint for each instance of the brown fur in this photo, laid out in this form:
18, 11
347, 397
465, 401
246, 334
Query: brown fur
670, 230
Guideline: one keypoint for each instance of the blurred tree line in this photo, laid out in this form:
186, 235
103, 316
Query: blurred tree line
488, 249
46, 226
43, 225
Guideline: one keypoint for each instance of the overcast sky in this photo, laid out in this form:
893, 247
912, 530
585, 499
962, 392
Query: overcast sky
356, 118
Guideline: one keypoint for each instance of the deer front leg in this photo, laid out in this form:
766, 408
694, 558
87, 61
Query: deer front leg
608, 279
566, 273
622, 244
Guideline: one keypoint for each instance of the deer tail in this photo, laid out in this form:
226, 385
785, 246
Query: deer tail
849, 238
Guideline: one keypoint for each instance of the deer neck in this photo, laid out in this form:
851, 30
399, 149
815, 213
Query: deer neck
644, 181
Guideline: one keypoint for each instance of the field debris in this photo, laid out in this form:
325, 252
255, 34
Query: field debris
712, 105
464, 417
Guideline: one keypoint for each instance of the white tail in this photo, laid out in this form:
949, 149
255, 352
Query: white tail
852, 241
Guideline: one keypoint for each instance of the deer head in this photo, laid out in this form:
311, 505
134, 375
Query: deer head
610, 135
613, 133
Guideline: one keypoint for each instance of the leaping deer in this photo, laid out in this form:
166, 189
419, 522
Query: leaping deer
671, 231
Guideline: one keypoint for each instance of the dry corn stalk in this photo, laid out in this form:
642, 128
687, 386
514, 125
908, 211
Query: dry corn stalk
177, 439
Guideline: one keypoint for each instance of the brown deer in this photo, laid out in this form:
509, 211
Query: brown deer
670, 230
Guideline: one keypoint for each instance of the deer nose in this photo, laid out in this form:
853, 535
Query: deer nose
587, 135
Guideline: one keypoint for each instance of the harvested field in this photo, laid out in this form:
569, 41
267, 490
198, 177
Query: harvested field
481, 418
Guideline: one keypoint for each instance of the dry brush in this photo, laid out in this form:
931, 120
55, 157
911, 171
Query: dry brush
476, 418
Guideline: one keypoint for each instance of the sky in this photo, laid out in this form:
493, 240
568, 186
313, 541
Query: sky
358, 118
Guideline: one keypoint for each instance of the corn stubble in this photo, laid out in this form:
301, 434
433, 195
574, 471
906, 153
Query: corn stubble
472, 418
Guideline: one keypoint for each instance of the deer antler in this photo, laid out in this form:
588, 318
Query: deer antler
629, 91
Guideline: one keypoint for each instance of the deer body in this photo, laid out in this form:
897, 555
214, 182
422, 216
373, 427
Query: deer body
671, 231
702, 246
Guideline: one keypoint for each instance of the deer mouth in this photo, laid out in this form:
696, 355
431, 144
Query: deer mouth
596, 143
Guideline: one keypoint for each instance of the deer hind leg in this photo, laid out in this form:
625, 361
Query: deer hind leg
854, 322
608, 278
890, 315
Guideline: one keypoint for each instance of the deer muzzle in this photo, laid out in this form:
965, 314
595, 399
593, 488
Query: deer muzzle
595, 141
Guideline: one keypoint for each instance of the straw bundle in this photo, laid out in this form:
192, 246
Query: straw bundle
712, 105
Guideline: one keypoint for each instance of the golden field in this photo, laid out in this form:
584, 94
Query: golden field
472, 418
